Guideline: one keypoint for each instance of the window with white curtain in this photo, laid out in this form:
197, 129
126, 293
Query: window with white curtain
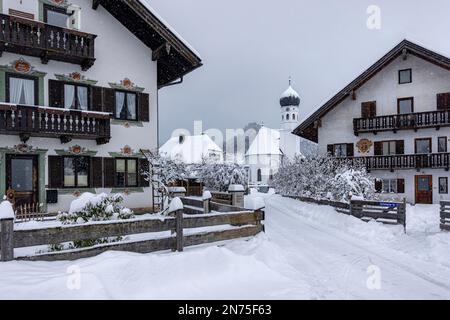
22, 90
76, 97
126, 105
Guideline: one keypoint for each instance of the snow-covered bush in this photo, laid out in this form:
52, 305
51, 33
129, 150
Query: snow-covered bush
166, 170
219, 176
351, 182
321, 176
88, 208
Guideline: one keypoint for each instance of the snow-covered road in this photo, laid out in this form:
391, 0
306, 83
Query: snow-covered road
341, 266
307, 252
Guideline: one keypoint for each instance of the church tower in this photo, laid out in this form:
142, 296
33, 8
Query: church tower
290, 103
290, 110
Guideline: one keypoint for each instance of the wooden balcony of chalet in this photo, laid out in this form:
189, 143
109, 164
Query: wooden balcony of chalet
65, 124
37, 39
400, 162
412, 121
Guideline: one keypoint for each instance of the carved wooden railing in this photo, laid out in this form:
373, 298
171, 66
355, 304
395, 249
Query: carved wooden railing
48, 42
411, 161
430, 119
65, 124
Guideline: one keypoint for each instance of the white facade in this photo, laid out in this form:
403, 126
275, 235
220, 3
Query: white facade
271, 146
119, 55
428, 80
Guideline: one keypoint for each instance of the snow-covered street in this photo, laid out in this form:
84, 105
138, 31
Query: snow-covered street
308, 252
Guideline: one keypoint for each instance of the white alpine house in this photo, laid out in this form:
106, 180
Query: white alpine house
395, 118
79, 83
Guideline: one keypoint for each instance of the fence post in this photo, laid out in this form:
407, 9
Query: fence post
237, 195
7, 239
351, 208
206, 201
179, 230
404, 214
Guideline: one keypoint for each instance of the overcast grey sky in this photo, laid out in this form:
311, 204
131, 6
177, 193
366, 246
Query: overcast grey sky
251, 47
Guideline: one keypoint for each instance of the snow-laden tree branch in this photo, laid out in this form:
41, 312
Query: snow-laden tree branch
322, 176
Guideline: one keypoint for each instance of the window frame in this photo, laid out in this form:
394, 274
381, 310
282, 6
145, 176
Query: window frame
439, 145
49, 7
126, 104
393, 185
9, 75
430, 143
126, 172
446, 185
77, 102
340, 145
389, 142
76, 169
410, 76
405, 99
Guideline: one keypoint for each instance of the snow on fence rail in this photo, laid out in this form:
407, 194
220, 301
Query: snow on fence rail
385, 212
245, 224
445, 215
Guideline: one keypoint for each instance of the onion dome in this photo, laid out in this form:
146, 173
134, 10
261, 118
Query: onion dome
290, 98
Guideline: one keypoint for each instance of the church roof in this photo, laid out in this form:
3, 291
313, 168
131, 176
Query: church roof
290, 98
191, 149
266, 142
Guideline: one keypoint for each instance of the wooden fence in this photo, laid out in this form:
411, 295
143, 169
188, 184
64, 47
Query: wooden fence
222, 197
246, 224
385, 212
445, 215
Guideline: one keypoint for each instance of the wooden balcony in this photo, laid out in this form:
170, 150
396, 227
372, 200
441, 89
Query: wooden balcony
32, 121
399, 162
37, 39
412, 121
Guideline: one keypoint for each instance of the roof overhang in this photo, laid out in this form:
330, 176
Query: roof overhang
174, 57
309, 128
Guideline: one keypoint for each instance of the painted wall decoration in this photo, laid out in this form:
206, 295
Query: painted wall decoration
127, 151
59, 3
22, 66
76, 150
126, 84
23, 148
364, 145
76, 77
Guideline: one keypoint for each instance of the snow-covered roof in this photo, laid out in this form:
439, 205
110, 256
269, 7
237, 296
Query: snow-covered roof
267, 141
290, 98
168, 26
191, 149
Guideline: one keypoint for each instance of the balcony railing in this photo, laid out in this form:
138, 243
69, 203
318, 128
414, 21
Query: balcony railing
33, 38
414, 121
32, 121
411, 161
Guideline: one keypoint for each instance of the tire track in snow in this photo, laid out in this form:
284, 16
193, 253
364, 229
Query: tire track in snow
280, 208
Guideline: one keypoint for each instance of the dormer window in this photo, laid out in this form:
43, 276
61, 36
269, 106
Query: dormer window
405, 76
55, 16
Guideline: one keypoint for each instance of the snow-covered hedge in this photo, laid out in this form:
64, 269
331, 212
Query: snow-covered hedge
324, 177
89, 207
219, 176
